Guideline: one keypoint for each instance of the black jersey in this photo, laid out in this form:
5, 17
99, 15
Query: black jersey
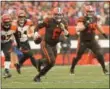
53, 30
89, 33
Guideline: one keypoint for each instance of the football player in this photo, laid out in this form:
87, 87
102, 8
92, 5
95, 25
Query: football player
8, 28
24, 31
87, 25
54, 27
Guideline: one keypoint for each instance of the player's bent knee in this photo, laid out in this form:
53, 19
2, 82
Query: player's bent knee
52, 64
7, 57
99, 53
78, 57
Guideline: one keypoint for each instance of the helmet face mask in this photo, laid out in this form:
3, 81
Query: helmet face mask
6, 21
21, 17
58, 17
7, 24
90, 13
58, 14
21, 20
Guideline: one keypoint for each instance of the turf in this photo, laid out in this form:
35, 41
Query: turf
59, 77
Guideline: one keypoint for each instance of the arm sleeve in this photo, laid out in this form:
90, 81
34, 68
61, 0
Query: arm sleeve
40, 25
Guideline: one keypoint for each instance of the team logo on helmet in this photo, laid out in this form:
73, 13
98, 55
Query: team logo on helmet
21, 17
6, 21
57, 14
89, 10
6, 18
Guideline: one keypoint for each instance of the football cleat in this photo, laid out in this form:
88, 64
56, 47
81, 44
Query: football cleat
17, 66
72, 71
106, 72
7, 74
37, 79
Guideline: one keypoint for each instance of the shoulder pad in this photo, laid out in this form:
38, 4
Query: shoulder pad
80, 19
13, 26
29, 22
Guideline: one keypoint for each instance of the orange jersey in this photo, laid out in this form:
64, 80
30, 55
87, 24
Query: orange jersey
53, 30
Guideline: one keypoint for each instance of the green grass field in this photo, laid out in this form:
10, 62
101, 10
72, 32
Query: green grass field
59, 77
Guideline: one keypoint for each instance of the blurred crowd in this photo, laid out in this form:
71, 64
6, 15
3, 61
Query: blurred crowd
39, 10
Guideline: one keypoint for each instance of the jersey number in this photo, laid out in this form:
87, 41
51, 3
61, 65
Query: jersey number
56, 33
5, 37
92, 26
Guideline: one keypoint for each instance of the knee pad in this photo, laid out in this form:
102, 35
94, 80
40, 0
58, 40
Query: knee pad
77, 58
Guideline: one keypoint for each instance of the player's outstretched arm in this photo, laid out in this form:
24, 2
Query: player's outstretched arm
99, 28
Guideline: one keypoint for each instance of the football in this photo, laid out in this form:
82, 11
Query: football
38, 40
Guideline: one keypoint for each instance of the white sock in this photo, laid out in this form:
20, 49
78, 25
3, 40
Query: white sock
7, 64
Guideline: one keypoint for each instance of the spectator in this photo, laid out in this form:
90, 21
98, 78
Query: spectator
72, 10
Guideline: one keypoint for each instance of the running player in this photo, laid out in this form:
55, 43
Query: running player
24, 31
8, 28
54, 27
